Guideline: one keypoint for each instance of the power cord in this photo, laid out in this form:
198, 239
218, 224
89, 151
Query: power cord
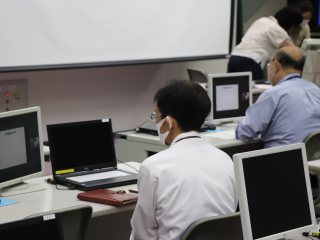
128, 165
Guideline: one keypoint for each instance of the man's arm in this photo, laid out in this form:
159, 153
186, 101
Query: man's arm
257, 118
143, 221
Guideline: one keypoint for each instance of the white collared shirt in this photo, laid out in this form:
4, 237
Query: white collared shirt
188, 181
261, 40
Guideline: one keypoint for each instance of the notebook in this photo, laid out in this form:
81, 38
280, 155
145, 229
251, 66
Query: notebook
83, 155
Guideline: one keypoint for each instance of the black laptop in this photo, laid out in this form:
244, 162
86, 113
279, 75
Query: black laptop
83, 155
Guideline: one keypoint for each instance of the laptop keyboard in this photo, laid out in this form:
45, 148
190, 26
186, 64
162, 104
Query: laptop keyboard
98, 176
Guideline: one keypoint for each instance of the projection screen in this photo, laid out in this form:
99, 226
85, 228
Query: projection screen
46, 34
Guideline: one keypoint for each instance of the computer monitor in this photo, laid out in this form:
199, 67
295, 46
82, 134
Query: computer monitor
230, 94
311, 51
274, 192
21, 150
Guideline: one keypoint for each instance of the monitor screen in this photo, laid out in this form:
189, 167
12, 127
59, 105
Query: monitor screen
94, 139
21, 147
37, 228
230, 95
274, 192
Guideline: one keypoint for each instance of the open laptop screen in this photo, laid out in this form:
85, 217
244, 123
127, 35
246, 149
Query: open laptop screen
80, 146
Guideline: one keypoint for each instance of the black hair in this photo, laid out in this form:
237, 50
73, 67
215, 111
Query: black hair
185, 101
288, 62
288, 17
305, 6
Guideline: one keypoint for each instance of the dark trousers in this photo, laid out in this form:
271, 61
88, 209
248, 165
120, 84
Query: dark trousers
244, 64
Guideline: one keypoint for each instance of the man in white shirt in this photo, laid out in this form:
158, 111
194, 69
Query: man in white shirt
188, 181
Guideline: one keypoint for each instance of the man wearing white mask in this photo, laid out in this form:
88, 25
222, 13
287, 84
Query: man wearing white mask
289, 111
188, 181
306, 8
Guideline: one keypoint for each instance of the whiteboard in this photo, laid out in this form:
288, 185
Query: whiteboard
62, 33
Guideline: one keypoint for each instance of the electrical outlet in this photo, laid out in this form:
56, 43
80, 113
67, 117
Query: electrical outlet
13, 94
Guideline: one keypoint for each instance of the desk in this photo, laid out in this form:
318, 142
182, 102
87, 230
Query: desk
107, 222
132, 146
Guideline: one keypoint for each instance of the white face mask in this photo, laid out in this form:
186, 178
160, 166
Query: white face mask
304, 22
163, 136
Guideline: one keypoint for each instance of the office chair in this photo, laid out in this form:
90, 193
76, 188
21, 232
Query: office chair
312, 143
74, 221
197, 76
224, 227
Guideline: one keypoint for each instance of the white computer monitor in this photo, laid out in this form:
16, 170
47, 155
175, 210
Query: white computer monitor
21, 150
274, 192
230, 94
311, 50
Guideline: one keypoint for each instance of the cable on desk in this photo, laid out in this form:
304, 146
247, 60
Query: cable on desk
53, 182
128, 165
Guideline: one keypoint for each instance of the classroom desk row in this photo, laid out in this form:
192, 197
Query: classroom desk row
107, 222
133, 146
110, 222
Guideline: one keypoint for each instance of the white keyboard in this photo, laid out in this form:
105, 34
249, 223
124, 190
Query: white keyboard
98, 176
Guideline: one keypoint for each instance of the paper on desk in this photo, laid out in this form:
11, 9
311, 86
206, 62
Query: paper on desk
228, 134
6, 201
263, 86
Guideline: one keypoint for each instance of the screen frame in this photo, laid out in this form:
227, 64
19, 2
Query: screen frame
98, 62
242, 193
53, 128
310, 44
22, 178
211, 78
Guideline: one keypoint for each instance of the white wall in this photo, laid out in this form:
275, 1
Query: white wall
124, 93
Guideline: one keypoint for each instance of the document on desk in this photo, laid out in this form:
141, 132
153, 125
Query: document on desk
227, 134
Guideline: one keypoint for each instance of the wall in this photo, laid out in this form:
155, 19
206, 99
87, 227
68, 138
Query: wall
123, 93
269, 8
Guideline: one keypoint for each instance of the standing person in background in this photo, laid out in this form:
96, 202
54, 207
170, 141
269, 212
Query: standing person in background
263, 38
306, 8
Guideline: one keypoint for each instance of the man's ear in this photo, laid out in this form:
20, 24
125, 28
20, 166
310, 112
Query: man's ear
277, 66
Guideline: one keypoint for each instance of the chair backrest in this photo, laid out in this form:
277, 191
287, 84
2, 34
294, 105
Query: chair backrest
223, 227
74, 221
197, 76
312, 143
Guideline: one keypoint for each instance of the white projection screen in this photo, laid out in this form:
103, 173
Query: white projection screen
46, 34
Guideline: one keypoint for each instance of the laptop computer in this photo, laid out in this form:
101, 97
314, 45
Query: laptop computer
83, 155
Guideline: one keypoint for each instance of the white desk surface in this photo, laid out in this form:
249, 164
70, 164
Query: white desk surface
260, 88
54, 199
223, 136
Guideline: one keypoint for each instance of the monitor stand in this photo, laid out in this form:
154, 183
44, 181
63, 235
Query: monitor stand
20, 188
228, 124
